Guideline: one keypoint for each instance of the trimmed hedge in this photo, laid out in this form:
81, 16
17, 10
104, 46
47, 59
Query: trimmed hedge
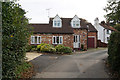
114, 51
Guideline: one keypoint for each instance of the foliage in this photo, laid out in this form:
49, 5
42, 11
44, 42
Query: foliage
47, 48
21, 68
114, 51
39, 46
67, 50
15, 35
113, 11
117, 27
31, 48
59, 48
62, 49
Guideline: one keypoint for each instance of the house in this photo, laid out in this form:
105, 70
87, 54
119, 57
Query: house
71, 32
104, 30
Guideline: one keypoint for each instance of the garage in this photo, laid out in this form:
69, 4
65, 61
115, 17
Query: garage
91, 42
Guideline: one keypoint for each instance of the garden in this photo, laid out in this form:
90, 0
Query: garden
47, 48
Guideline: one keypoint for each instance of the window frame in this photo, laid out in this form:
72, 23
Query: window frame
108, 31
57, 42
33, 39
76, 24
57, 23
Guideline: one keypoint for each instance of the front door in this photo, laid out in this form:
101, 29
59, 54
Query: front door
76, 43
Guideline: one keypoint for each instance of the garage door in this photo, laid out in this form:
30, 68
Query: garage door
91, 42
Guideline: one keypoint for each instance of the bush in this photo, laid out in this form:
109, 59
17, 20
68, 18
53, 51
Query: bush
31, 48
67, 50
62, 49
114, 51
59, 48
39, 46
22, 68
47, 48
15, 35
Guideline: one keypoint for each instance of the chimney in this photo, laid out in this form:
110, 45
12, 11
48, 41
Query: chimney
96, 21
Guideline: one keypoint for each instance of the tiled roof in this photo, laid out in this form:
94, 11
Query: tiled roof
66, 27
107, 26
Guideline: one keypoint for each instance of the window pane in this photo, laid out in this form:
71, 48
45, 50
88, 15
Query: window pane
58, 24
57, 40
61, 40
35, 39
77, 24
107, 31
32, 39
54, 40
74, 38
39, 40
55, 23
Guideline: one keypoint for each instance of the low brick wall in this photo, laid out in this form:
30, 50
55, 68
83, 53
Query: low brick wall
101, 44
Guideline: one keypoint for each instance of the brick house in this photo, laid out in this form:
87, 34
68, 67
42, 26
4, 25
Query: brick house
71, 32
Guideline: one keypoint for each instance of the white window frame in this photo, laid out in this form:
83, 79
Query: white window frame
38, 39
60, 40
33, 41
74, 24
57, 22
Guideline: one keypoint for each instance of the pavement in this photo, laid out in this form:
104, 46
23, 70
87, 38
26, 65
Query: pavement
88, 64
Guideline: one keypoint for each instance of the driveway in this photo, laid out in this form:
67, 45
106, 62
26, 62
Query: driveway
79, 65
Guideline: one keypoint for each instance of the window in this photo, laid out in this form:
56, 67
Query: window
108, 38
107, 31
76, 23
35, 39
57, 40
57, 23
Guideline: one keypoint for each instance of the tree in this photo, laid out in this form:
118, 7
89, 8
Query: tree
113, 11
117, 27
15, 35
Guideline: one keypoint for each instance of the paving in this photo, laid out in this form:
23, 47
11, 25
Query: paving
89, 64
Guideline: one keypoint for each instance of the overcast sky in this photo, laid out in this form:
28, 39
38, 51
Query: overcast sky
86, 9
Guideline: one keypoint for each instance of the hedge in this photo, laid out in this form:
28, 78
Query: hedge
114, 51
15, 35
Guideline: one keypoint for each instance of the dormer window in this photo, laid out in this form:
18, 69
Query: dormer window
75, 22
57, 22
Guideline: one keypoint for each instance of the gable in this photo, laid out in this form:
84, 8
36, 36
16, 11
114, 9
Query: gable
75, 22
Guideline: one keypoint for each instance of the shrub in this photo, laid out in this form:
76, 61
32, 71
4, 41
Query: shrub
62, 49
59, 48
39, 46
114, 51
47, 48
31, 48
67, 50
15, 35
22, 68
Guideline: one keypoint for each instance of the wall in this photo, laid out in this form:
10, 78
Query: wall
47, 38
83, 36
93, 34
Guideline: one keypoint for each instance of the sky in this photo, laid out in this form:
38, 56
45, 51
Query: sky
86, 9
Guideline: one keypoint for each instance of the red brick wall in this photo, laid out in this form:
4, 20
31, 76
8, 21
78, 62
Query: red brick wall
83, 36
68, 39
47, 38
93, 34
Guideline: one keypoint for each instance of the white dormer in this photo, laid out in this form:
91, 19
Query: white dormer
75, 22
57, 22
